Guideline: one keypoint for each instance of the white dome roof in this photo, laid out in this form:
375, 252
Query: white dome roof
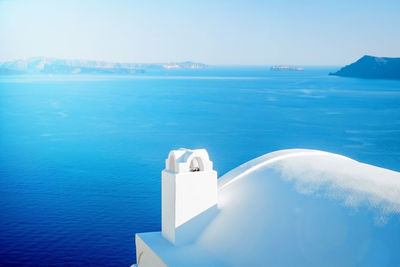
299, 208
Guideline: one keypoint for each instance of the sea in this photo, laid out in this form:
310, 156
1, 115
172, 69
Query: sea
81, 155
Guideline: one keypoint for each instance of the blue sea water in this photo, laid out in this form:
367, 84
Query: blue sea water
81, 156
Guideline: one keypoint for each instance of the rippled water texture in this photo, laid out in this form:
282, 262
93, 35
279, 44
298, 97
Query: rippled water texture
81, 156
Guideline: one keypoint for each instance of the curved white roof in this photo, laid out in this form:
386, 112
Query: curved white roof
297, 208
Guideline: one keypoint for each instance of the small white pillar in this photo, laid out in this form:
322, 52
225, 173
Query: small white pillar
189, 187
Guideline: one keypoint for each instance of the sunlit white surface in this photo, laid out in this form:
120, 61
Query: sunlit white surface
189, 187
297, 208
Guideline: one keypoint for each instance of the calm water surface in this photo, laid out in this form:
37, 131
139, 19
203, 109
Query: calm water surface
81, 156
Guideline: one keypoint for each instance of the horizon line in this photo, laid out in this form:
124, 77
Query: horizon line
176, 61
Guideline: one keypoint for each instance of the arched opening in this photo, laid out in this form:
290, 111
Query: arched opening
196, 165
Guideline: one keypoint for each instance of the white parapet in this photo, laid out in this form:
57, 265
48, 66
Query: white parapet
145, 256
189, 188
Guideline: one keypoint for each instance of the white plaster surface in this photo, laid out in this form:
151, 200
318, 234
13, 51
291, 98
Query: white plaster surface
296, 208
145, 255
186, 193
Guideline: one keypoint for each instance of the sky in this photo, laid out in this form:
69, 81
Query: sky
235, 32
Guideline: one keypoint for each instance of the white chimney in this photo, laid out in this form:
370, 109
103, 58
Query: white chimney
189, 187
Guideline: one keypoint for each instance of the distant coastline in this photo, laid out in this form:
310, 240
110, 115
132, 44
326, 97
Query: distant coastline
43, 65
286, 68
371, 67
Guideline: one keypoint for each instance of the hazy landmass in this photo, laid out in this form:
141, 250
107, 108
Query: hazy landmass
286, 68
43, 65
373, 68
6, 71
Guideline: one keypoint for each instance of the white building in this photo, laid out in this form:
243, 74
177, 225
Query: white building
287, 208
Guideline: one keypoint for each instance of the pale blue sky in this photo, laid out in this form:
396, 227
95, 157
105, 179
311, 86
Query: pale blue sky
214, 32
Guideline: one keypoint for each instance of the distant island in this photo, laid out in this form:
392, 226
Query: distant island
286, 68
43, 65
372, 68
